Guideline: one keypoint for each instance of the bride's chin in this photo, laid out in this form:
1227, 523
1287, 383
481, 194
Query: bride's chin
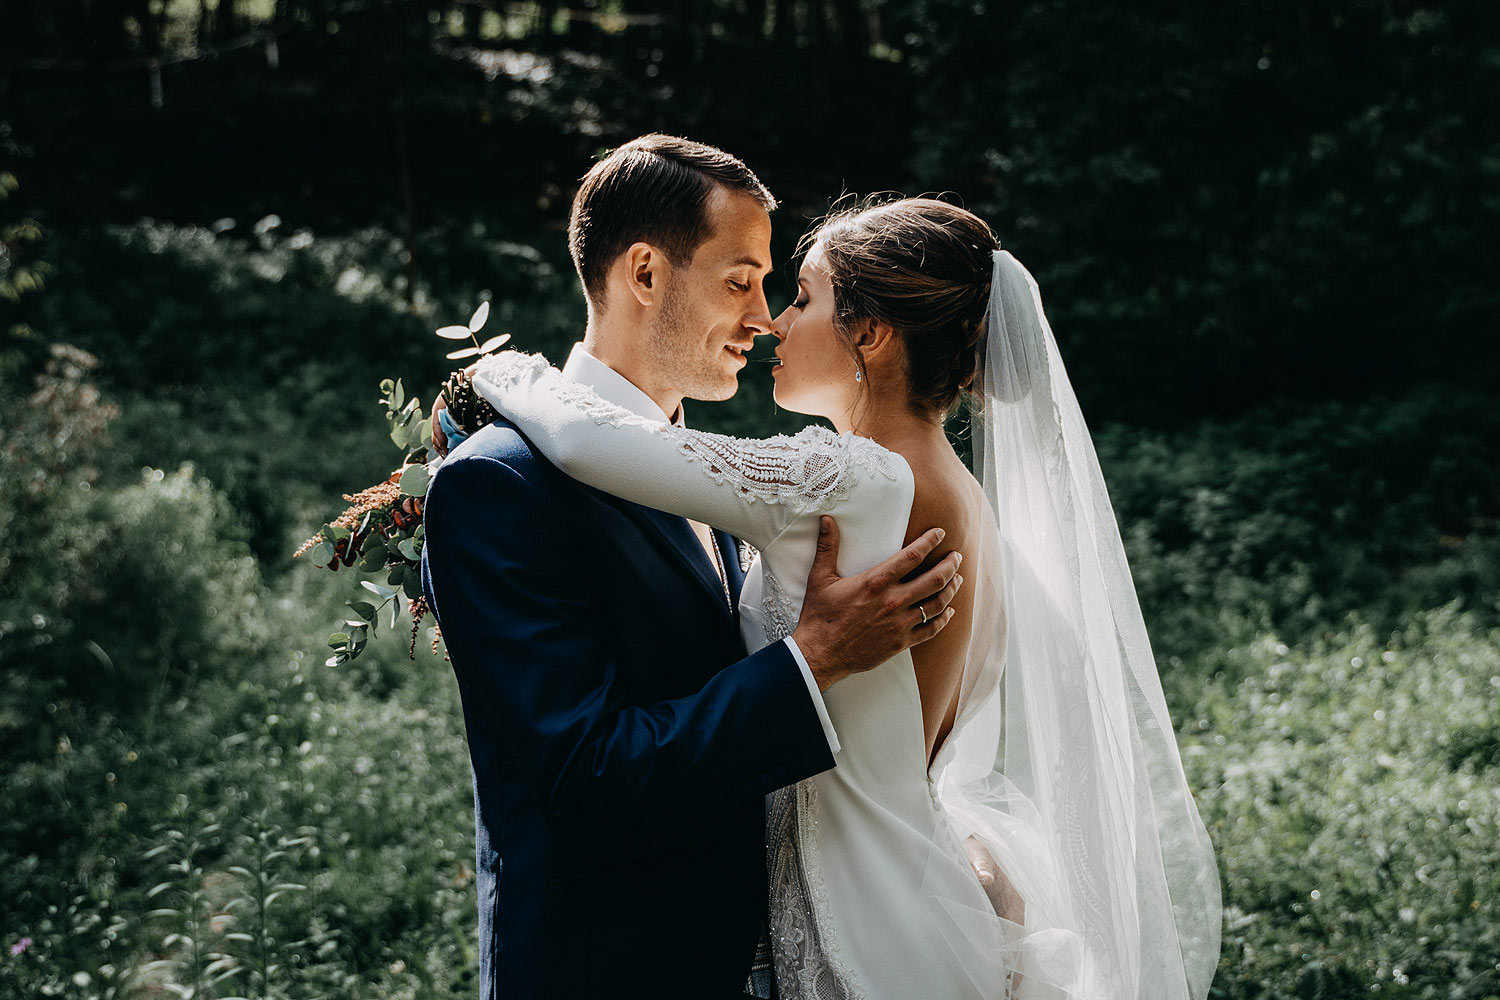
787, 401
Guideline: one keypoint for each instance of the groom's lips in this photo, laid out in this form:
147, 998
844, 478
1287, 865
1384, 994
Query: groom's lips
738, 352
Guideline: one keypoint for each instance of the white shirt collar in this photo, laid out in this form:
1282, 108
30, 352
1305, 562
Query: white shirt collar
583, 367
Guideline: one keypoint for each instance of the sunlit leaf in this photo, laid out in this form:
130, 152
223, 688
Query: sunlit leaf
476, 321
454, 332
493, 343
384, 593
462, 353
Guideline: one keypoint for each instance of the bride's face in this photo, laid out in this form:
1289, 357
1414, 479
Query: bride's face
816, 373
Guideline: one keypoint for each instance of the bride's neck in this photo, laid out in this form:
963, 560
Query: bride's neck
893, 425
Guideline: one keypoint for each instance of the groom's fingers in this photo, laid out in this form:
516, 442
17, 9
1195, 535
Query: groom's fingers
935, 604
903, 563
826, 559
931, 583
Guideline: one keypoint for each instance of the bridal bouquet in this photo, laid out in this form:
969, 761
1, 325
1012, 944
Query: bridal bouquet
379, 536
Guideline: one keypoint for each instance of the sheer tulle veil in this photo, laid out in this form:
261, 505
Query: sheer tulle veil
1063, 760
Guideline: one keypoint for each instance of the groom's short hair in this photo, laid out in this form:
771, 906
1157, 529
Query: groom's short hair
655, 190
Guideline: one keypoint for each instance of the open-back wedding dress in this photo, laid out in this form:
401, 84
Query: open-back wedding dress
1061, 760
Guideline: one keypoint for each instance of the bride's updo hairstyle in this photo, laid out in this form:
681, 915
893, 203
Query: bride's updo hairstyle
924, 267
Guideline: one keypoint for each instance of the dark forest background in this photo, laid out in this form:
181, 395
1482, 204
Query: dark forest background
1265, 234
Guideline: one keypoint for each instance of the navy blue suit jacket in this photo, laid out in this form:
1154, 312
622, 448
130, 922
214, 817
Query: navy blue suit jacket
622, 742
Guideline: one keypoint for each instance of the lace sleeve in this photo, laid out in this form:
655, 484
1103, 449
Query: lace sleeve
751, 487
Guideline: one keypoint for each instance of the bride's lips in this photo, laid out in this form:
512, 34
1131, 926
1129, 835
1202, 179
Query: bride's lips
780, 363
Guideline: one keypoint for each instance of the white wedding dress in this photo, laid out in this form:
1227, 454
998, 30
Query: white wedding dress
1061, 761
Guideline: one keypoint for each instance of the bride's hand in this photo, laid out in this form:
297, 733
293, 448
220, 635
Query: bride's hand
439, 437
440, 442
1002, 894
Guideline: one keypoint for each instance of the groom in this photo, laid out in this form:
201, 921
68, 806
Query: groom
622, 742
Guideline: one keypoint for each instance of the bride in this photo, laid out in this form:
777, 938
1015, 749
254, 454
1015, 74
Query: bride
1032, 731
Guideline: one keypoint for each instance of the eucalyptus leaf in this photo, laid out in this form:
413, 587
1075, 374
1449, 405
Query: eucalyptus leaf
338, 639
384, 593
493, 343
411, 549
454, 332
399, 396
412, 588
467, 352
476, 321
414, 480
364, 609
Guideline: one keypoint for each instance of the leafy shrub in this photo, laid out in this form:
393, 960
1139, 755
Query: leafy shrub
1289, 518
1349, 789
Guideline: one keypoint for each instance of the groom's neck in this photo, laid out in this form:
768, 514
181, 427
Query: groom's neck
620, 349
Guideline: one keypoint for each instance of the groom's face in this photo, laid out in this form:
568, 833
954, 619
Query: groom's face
713, 307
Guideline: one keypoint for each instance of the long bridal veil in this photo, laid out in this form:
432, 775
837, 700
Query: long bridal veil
1063, 760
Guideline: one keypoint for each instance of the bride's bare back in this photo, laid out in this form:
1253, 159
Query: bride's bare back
948, 497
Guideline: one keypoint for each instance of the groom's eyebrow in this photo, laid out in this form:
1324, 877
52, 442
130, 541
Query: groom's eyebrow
753, 262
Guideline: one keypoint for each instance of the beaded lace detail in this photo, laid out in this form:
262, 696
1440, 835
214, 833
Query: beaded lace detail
781, 619
807, 472
805, 954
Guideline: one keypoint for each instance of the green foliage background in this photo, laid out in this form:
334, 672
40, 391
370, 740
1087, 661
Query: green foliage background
1264, 232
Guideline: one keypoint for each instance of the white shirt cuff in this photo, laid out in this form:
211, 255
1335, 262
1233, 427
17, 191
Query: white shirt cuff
817, 696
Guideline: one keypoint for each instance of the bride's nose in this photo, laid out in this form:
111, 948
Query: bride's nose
777, 326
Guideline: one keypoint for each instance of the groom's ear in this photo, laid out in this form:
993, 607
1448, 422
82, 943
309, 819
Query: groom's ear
643, 268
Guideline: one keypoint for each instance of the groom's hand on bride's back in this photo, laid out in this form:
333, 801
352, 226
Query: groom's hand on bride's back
852, 623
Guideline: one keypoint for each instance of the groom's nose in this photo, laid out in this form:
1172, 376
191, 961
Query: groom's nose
758, 318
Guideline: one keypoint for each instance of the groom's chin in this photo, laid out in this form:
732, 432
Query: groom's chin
718, 389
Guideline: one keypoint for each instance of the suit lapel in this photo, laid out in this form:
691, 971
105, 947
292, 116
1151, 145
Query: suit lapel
676, 536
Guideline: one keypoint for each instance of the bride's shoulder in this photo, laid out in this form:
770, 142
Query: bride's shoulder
856, 453
862, 468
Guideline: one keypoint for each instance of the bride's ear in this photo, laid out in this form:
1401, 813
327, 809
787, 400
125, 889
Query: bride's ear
643, 271
874, 339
